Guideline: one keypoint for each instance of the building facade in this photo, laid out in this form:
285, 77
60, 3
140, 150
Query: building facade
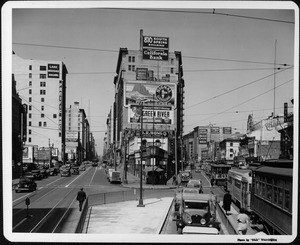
41, 85
148, 106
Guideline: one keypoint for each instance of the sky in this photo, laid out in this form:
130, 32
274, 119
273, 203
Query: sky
228, 55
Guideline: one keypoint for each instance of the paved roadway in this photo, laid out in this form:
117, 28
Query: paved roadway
51, 203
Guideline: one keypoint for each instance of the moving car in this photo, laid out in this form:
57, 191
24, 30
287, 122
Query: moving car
115, 177
193, 183
82, 168
26, 184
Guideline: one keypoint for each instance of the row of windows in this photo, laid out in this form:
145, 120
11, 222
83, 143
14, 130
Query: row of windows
42, 91
42, 116
42, 68
42, 99
274, 190
42, 76
42, 83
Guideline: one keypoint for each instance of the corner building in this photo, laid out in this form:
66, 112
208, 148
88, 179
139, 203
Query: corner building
148, 108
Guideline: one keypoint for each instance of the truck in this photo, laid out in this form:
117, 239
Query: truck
194, 209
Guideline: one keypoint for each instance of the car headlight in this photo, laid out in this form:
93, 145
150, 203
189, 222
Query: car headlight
203, 221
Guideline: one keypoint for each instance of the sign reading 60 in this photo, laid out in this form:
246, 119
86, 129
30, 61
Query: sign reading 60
148, 39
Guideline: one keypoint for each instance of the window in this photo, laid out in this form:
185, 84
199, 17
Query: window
42, 91
172, 70
133, 68
40, 124
29, 131
29, 139
30, 75
42, 76
230, 155
30, 83
29, 115
131, 58
30, 67
237, 183
29, 123
269, 192
42, 99
30, 91
30, 99
42, 115
129, 68
231, 144
42, 108
231, 150
29, 108
45, 124
54, 115
286, 199
43, 84
42, 68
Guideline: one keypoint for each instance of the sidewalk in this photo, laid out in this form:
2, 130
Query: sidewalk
232, 219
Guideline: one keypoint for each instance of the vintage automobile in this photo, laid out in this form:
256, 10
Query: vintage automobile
115, 177
185, 176
75, 170
196, 210
53, 171
26, 184
37, 174
65, 172
194, 183
82, 167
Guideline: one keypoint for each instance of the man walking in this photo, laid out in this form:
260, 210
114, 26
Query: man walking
227, 202
81, 196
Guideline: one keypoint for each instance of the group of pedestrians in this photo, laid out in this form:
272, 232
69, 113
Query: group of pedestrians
242, 218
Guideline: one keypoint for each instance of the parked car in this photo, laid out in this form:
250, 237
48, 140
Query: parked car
26, 184
65, 172
82, 168
75, 170
37, 174
53, 171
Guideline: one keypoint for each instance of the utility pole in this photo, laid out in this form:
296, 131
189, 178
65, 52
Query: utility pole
152, 155
141, 164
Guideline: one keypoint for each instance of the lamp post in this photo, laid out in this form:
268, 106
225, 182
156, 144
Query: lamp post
141, 164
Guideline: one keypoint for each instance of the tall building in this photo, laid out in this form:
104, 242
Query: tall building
42, 85
77, 134
148, 106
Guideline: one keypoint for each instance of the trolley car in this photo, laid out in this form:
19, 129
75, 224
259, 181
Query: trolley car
219, 174
239, 183
272, 197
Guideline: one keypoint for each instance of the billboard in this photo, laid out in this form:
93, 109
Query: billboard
71, 136
150, 93
226, 130
155, 48
150, 115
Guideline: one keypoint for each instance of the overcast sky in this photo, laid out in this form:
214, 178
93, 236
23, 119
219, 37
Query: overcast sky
228, 56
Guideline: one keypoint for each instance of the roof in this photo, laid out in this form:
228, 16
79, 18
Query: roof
288, 172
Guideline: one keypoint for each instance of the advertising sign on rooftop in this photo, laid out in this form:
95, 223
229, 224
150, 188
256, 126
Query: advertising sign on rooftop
155, 48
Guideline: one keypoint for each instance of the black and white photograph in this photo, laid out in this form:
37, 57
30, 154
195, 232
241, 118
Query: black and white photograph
150, 121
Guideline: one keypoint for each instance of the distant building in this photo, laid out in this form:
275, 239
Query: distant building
228, 149
42, 85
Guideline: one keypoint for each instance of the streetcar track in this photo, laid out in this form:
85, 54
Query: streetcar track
51, 210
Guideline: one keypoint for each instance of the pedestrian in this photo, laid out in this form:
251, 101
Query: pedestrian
243, 222
227, 202
81, 196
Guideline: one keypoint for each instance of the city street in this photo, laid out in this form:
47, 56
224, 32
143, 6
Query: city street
55, 196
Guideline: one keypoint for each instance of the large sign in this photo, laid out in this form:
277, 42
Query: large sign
151, 94
226, 130
155, 48
53, 70
214, 130
71, 136
202, 132
156, 116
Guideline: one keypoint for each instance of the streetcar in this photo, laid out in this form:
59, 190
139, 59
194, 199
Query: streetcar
219, 173
239, 184
272, 195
